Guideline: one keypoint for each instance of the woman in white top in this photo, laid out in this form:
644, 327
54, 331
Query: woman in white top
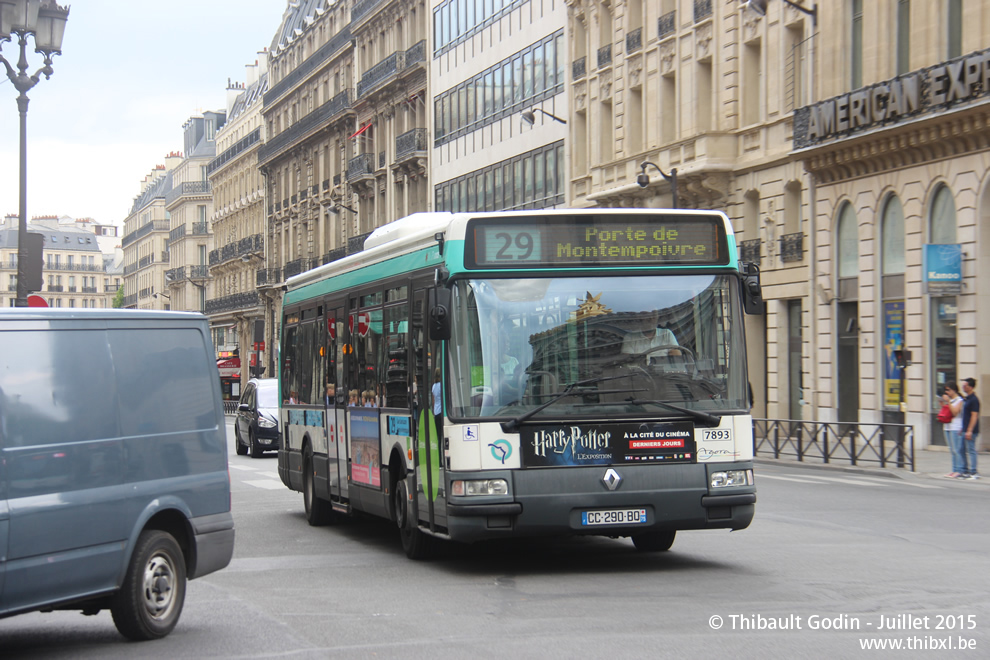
953, 429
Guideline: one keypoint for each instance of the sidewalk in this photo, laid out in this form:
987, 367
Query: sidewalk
932, 463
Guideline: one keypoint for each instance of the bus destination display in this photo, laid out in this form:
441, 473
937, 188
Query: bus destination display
601, 240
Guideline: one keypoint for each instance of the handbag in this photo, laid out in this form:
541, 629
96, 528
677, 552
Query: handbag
945, 414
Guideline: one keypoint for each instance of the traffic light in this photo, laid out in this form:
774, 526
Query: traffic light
902, 357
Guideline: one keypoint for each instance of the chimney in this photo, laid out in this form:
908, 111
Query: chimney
262, 62
233, 91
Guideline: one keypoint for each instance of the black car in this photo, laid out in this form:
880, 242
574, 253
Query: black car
256, 427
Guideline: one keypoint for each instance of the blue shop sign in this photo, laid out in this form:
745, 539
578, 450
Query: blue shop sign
943, 269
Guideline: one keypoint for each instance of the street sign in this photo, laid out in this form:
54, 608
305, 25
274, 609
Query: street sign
34, 300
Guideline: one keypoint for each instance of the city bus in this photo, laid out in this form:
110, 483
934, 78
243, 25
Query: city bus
523, 374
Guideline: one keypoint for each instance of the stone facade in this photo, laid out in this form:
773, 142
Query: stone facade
237, 264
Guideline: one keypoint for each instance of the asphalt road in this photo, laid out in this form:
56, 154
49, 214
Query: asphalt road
827, 548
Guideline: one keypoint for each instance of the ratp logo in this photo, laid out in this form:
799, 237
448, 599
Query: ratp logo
501, 450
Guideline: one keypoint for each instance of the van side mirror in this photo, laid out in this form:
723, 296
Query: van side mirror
439, 302
752, 290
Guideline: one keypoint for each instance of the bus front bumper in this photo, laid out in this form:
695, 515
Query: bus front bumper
558, 501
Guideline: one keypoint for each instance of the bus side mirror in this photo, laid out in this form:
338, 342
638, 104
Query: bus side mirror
439, 306
752, 291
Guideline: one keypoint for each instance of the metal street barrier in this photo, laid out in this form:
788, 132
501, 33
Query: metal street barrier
886, 445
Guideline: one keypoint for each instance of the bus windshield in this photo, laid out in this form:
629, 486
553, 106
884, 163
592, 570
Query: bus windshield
607, 346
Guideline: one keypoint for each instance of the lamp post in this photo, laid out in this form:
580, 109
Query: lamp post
529, 116
643, 179
46, 21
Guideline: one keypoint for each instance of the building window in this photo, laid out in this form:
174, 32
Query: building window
892, 237
903, 36
954, 33
847, 243
752, 83
856, 45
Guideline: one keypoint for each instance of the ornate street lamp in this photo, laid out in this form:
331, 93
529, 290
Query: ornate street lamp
46, 21
643, 179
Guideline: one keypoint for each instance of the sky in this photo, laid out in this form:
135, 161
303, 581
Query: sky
131, 73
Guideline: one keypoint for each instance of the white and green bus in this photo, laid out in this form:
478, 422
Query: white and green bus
588, 368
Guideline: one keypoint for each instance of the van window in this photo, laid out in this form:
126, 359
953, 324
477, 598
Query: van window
56, 387
163, 380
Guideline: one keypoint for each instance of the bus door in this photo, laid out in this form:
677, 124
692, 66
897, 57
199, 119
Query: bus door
336, 400
428, 445
363, 417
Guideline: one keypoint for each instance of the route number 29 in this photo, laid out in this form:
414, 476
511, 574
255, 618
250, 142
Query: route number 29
519, 246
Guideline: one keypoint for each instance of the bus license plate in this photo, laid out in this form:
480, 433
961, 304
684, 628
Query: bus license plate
613, 517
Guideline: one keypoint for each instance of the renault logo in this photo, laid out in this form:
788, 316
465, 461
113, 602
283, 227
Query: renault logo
611, 479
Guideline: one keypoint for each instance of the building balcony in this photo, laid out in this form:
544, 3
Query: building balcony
411, 153
200, 229
234, 151
579, 68
89, 289
362, 9
109, 288
199, 272
232, 303
294, 267
154, 225
792, 247
749, 251
144, 293
131, 300
381, 73
228, 252
634, 40
251, 245
361, 168
268, 277
311, 64
334, 255
702, 10
666, 25
56, 288
188, 189
334, 109
605, 56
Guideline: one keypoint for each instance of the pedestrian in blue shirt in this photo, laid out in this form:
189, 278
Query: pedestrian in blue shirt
971, 427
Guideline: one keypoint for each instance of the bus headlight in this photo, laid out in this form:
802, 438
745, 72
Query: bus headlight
480, 487
732, 478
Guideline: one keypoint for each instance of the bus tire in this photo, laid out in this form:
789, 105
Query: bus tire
150, 600
416, 543
318, 511
654, 541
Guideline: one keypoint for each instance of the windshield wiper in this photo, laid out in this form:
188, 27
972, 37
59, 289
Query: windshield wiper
514, 423
713, 420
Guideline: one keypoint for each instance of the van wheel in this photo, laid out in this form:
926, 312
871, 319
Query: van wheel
416, 543
239, 446
256, 450
654, 541
150, 601
318, 511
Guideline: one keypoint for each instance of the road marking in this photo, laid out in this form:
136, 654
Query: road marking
242, 467
267, 484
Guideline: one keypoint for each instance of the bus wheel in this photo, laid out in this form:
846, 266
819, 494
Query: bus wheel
654, 541
416, 544
318, 511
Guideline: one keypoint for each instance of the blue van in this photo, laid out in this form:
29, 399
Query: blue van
114, 487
